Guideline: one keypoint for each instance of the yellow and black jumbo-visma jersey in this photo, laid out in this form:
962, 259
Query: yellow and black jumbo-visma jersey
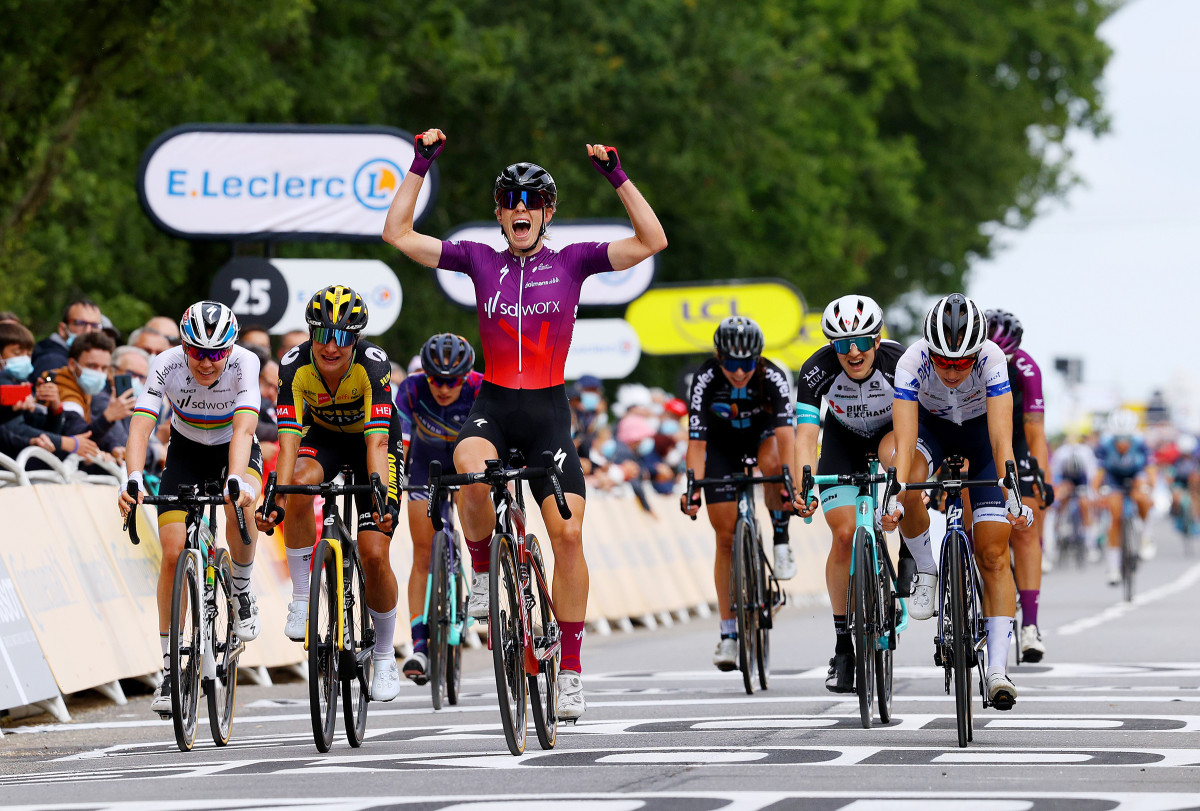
362, 403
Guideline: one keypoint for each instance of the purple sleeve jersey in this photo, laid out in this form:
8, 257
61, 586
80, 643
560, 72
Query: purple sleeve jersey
526, 306
1026, 380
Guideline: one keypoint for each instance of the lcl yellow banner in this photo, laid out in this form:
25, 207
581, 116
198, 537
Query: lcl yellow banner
680, 320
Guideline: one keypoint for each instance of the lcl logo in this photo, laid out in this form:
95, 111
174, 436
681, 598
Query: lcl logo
710, 309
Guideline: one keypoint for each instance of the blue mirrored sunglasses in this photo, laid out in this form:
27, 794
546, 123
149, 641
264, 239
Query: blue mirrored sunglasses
509, 198
341, 337
862, 342
739, 364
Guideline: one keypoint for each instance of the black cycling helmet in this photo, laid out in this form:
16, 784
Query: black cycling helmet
336, 307
738, 337
955, 327
447, 355
526, 177
1005, 330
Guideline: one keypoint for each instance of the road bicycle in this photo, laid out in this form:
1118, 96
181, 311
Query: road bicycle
961, 635
523, 631
874, 608
1131, 530
204, 648
445, 610
340, 635
1071, 530
754, 594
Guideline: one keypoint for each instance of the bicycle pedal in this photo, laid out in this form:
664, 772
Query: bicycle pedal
166, 716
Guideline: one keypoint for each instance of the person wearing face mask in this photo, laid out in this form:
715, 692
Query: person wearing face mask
23, 421
589, 412
85, 376
80, 317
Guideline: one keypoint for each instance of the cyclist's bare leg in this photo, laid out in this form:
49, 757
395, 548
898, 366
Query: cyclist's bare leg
723, 516
382, 591
837, 565
990, 541
1027, 549
475, 511
915, 520
1115, 502
770, 465
421, 530
1142, 498
299, 528
172, 538
571, 581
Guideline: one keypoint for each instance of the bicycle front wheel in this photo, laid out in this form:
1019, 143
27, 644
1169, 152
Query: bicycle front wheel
454, 652
865, 605
187, 653
508, 642
887, 638
742, 596
763, 597
1128, 557
543, 688
356, 661
323, 613
438, 619
226, 648
962, 646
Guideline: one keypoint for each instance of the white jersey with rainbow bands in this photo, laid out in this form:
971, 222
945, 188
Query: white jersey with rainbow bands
203, 414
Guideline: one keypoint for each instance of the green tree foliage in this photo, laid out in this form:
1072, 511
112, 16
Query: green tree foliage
840, 144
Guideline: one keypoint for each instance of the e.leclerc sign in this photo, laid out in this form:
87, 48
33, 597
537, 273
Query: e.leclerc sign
276, 182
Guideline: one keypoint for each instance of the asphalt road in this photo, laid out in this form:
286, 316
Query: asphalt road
1110, 719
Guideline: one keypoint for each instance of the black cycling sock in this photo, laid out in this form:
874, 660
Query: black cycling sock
729, 636
841, 630
779, 522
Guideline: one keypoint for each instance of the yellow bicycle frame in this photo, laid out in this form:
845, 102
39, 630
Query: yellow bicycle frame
341, 592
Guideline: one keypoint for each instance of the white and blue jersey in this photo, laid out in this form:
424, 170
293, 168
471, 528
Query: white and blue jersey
917, 380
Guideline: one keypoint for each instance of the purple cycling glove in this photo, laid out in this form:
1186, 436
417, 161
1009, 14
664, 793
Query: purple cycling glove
422, 162
611, 168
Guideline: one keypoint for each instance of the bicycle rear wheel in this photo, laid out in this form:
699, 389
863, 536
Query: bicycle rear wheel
1128, 557
543, 688
741, 586
323, 612
865, 605
886, 634
186, 652
356, 661
762, 590
226, 648
961, 646
438, 618
508, 643
454, 652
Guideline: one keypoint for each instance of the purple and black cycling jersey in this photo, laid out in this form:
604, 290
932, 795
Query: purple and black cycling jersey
526, 306
1026, 380
430, 430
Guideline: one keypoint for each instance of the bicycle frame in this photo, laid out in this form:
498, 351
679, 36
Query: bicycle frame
457, 624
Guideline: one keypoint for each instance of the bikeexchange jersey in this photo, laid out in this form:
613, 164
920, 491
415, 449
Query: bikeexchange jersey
917, 380
526, 306
430, 430
862, 406
1025, 377
203, 414
362, 403
715, 403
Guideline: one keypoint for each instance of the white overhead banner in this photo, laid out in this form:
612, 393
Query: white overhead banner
276, 181
272, 293
617, 287
604, 347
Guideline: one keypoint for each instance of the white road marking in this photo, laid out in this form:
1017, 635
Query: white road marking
1034, 758
1052, 723
1181, 583
698, 758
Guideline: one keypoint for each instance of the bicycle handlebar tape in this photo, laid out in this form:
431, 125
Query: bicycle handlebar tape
425, 156
611, 167
434, 514
131, 520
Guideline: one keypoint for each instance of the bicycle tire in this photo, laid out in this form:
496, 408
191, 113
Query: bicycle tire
1128, 557
741, 597
864, 626
222, 690
508, 644
323, 645
186, 652
543, 688
960, 656
438, 618
762, 642
454, 652
356, 665
887, 634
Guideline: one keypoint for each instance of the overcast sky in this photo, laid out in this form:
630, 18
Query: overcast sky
1112, 275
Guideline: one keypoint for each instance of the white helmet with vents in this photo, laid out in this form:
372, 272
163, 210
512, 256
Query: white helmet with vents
852, 316
955, 327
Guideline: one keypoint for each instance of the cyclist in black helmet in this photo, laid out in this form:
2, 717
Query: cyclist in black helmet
738, 408
526, 297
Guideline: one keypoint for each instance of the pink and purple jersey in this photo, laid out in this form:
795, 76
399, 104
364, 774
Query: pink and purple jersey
526, 306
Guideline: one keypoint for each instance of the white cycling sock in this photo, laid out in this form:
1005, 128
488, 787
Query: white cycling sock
729, 627
922, 551
1113, 554
999, 640
385, 632
241, 576
299, 565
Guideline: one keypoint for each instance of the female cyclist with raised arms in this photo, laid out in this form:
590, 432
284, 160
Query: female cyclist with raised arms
212, 386
526, 297
854, 373
953, 397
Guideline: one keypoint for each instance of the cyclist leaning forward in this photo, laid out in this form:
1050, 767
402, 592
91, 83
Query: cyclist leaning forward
335, 410
1124, 460
433, 407
738, 408
854, 373
953, 397
1032, 453
212, 386
526, 297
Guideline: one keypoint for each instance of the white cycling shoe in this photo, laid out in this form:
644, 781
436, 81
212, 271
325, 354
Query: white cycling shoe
570, 696
477, 607
1032, 647
921, 604
1002, 693
785, 562
385, 682
725, 656
246, 623
416, 668
297, 620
